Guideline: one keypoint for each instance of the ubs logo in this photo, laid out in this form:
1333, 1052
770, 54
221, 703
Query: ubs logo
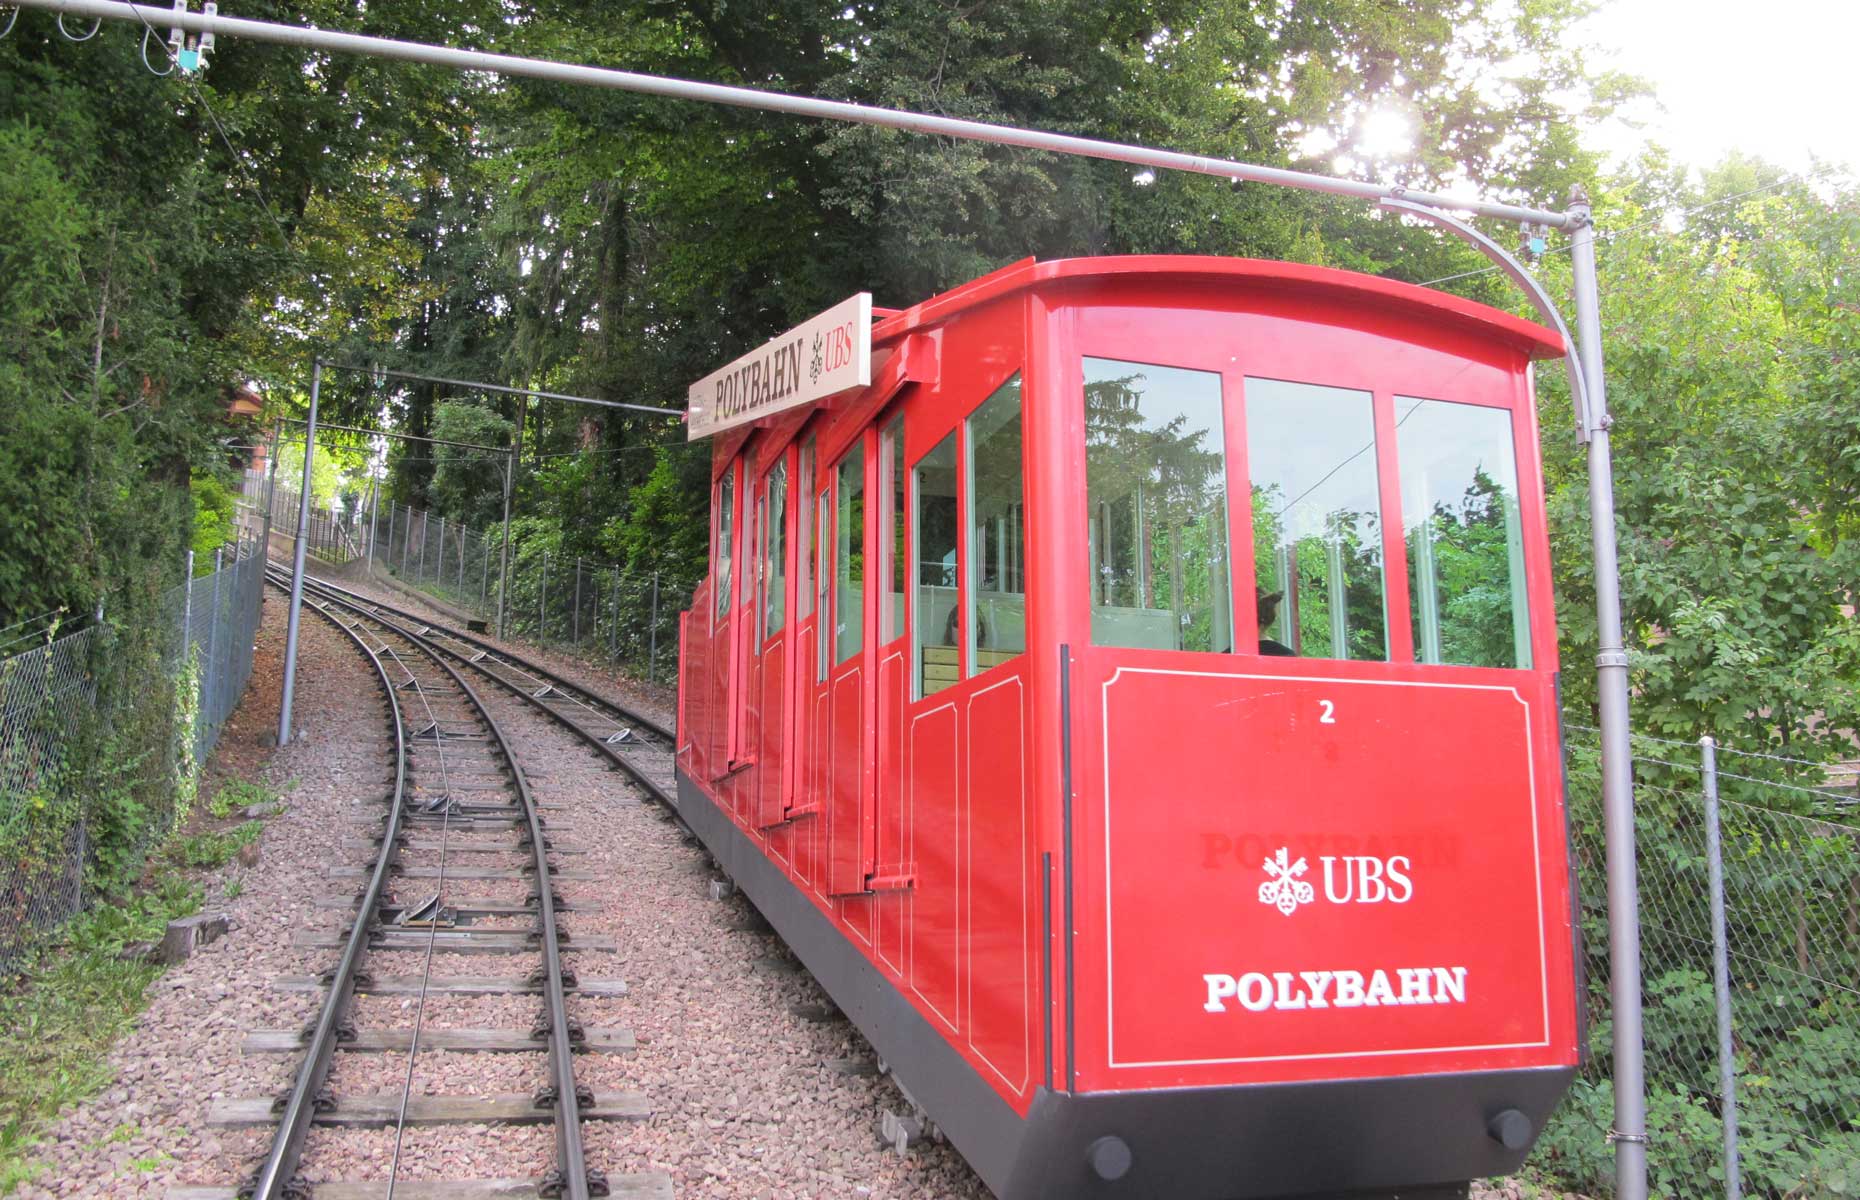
1348, 879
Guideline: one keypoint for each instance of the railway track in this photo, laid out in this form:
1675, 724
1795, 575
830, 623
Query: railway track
458, 798
640, 746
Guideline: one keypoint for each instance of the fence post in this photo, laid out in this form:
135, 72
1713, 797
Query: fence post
484, 583
209, 684
426, 520
1721, 968
187, 612
574, 637
461, 540
406, 543
613, 629
542, 610
652, 659
374, 518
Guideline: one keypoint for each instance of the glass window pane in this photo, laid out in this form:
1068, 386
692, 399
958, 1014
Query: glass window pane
775, 552
998, 591
849, 599
1317, 525
891, 448
1459, 477
934, 531
726, 521
804, 560
1156, 492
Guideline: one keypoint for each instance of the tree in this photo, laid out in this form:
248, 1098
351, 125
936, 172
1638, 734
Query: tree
1731, 359
468, 485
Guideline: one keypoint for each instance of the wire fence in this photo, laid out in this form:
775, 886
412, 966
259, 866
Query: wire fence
49, 696
1749, 873
595, 610
336, 535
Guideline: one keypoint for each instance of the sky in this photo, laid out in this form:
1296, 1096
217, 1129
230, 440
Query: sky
1776, 78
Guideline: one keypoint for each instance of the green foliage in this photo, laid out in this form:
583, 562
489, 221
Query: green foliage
1732, 347
215, 848
328, 470
468, 485
237, 794
215, 513
56, 1030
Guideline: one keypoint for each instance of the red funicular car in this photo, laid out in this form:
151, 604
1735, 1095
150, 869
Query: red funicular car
1129, 685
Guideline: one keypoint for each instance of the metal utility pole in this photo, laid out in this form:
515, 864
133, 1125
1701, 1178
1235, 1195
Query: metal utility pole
297, 557
374, 515
510, 476
1611, 669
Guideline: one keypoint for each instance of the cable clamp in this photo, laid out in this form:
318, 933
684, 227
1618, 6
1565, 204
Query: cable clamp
1612, 658
1638, 1139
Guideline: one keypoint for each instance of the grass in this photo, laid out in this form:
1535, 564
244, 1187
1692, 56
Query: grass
214, 848
75, 1000
75, 997
237, 794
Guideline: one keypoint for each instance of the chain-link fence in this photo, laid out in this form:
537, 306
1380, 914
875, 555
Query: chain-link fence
550, 599
1752, 1022
336, 535
48, 699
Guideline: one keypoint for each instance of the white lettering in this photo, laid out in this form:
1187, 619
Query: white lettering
1288, 998
1330, 887
1366, 879
1370, 889
1296, 991
1255, 992
1414, 981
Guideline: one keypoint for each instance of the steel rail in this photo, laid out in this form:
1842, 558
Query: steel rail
657, 789
573, 1179
541, 673
276, 1178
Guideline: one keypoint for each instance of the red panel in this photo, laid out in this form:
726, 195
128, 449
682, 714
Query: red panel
771, 765
893, 869
805, 738
935, 843
810, 824
997, 892
846, 793
1413, 819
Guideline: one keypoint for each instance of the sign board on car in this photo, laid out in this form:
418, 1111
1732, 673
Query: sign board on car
820, 357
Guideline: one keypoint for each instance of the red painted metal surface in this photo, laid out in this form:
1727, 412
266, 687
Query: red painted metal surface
1420, 806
